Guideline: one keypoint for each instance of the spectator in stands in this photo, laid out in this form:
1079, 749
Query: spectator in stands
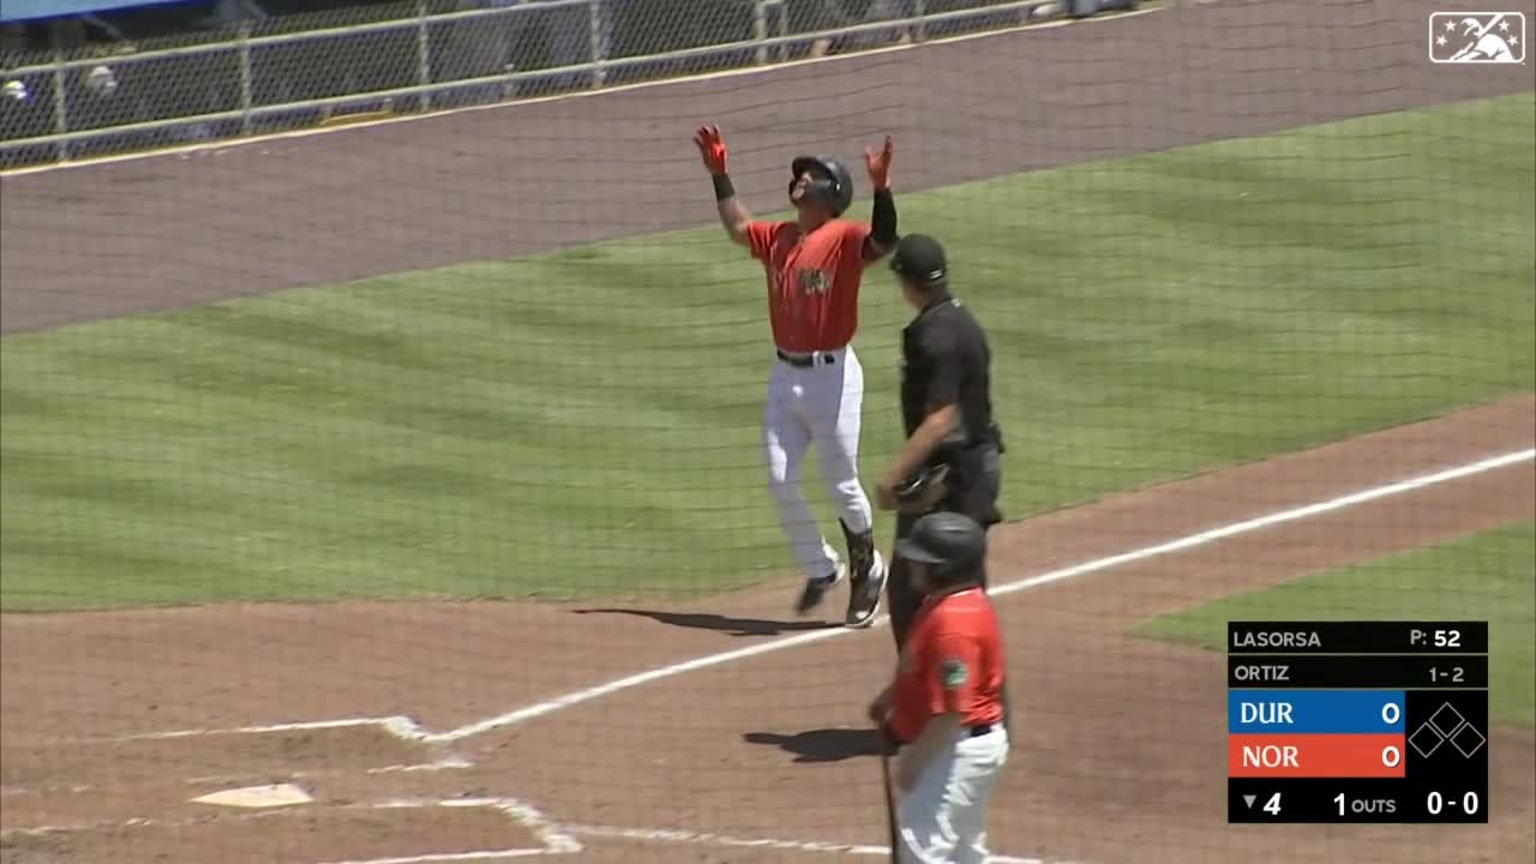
527, 39
870, 11
810, 16
26, 103
231, 13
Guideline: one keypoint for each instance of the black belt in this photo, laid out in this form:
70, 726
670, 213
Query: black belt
968, 732
806, 361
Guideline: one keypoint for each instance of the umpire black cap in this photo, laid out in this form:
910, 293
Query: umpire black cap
920, 258
949, 541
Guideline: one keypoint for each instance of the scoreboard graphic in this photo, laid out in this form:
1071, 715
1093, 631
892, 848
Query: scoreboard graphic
1357, 721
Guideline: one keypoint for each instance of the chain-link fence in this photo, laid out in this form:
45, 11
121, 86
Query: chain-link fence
82, 100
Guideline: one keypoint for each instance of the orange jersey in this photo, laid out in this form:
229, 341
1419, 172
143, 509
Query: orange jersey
813, 281
952, 664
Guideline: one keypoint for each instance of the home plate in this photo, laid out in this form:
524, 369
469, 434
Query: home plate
278, 795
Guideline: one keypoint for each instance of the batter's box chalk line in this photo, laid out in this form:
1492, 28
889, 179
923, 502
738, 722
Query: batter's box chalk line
403, 728
724, 841
451, 762
560, 839
552, 840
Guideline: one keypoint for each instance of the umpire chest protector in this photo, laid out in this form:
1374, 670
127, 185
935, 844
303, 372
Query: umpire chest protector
945, 357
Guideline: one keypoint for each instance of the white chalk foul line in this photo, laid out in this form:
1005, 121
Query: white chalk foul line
408, 730
1296, 514
446, 857
522, 715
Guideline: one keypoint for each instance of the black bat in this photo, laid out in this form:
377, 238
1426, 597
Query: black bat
890, 801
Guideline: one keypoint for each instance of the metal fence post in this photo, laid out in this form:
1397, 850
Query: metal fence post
595, 41
423, 55
245, 77
781, 51
60, 100
920, 10
760, 29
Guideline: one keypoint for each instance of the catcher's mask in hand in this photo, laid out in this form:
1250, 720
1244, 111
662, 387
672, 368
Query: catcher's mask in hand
923, 492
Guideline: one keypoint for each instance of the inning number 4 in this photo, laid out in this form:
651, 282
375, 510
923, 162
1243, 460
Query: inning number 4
1272, 806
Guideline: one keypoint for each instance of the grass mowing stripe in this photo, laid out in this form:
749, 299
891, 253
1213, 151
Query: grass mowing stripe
586, 422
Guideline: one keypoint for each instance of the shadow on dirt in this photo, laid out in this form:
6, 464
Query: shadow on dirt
821, 745
722, 623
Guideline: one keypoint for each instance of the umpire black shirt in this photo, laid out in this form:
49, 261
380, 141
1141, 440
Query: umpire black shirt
946, 361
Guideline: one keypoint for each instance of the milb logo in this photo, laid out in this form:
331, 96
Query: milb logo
1477, 37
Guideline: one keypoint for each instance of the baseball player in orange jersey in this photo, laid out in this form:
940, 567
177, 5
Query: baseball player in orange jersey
814, 266
946, 705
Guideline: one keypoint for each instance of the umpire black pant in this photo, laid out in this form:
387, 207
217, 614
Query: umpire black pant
975, 479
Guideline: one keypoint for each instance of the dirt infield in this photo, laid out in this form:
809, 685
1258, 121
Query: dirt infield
385, 712
424, 732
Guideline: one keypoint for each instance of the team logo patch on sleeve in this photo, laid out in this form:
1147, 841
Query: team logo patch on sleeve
954, 673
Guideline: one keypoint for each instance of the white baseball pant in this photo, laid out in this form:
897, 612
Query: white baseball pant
943, 818
820, 405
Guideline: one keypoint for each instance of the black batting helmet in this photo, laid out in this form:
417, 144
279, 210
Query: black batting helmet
952, 543
833, 184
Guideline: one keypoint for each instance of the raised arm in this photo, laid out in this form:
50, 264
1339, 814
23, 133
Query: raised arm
734, 217
882, 235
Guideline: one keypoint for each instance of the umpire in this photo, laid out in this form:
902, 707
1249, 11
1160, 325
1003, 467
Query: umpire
952, 442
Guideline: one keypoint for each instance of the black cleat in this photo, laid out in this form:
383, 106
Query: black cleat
816, 590
868, 577
864, 594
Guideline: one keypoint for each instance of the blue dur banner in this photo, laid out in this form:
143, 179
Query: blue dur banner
31, 10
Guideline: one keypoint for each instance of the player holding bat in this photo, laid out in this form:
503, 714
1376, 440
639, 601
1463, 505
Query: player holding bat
945, 707
814, 265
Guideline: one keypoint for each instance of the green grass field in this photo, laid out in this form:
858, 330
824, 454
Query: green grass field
587, 422
1487, 577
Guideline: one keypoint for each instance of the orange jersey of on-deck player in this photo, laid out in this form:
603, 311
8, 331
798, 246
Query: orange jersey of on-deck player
952, 664
813, 281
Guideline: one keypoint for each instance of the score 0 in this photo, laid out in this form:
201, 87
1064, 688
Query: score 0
1391, 757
